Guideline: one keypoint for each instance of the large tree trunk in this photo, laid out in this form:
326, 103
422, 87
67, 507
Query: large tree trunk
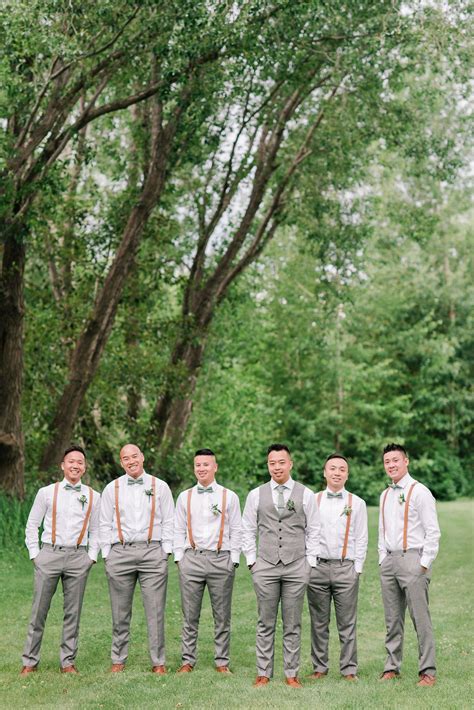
11, 359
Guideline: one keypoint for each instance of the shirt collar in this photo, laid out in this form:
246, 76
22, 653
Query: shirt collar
405, 481
343, 491
214, 485
289, 484
64, 483
143, 476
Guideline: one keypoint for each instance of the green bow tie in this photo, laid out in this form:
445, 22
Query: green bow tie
132, 481
394, 485
70, 487
335, 495
209, 489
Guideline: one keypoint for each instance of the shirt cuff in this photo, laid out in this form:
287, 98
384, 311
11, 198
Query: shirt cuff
33, 552
251, 558
235, 556
178, 556
167, 547
93, 555
312, 560
426, 561
105, 550
358, 567
382, 556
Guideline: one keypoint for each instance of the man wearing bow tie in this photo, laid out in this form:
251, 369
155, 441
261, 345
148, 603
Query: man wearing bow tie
344, 540
136, 538
408, 544
284, 516
207, 551
69, 512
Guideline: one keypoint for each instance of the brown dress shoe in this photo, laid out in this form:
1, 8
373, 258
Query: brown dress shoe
293, 682
389, 675
224, 669
350, 676
161, 670
28, 669
426, 680
317, 675
261, 680
117, 667
69, 669
186, 668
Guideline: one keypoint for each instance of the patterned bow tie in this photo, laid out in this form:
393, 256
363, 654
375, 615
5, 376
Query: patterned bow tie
132, 481
209, 489
70, 487
394, 485
335, 495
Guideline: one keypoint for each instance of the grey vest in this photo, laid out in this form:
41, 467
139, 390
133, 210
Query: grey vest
281, 535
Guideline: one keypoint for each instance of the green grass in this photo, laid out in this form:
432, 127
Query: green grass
451, 606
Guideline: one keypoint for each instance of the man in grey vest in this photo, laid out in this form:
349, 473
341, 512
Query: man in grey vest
284, 516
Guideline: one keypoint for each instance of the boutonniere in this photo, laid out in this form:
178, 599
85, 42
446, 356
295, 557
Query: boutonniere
401, 498
215, 509
149, 492
82, 500
291, 506
347, 510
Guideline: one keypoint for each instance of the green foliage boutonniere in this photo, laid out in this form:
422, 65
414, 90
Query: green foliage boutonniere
215, 509
82, 500
347, 510
291, 506
401, 498
149, 493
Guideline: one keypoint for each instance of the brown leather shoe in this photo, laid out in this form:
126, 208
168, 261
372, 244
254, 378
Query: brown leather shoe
317, 675
224, 669
426, 680
186, 668
69, 669
293, 682
28, 669
389, 675
161, 670
261, 680
117, 667
350, 676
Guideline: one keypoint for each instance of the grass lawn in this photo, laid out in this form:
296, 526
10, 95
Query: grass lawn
451, 605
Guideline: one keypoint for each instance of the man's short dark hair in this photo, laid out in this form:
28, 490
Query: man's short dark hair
278, 447
74, 447
394, 447
336, 456
204, 452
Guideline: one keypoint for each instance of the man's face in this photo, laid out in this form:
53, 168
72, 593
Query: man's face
205, 468
74, 467
336, 472
396, 465
279, 466
131, 460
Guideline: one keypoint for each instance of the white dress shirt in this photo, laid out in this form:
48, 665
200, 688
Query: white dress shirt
135, 511
249, 521
206, 524
70, 514
333, 528
423, 529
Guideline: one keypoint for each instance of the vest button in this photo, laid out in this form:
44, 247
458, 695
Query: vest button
279, 545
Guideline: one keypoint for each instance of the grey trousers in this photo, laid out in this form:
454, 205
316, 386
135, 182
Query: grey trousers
197, 569
147, 564
272, 584
405, 584
71, 566
338, 581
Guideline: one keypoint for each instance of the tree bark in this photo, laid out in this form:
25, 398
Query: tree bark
11, 358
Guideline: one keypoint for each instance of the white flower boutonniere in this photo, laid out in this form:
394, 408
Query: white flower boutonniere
401, 498
149, 493
347, 510
215, 509
82, 500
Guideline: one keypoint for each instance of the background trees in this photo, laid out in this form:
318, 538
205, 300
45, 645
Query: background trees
154, 153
